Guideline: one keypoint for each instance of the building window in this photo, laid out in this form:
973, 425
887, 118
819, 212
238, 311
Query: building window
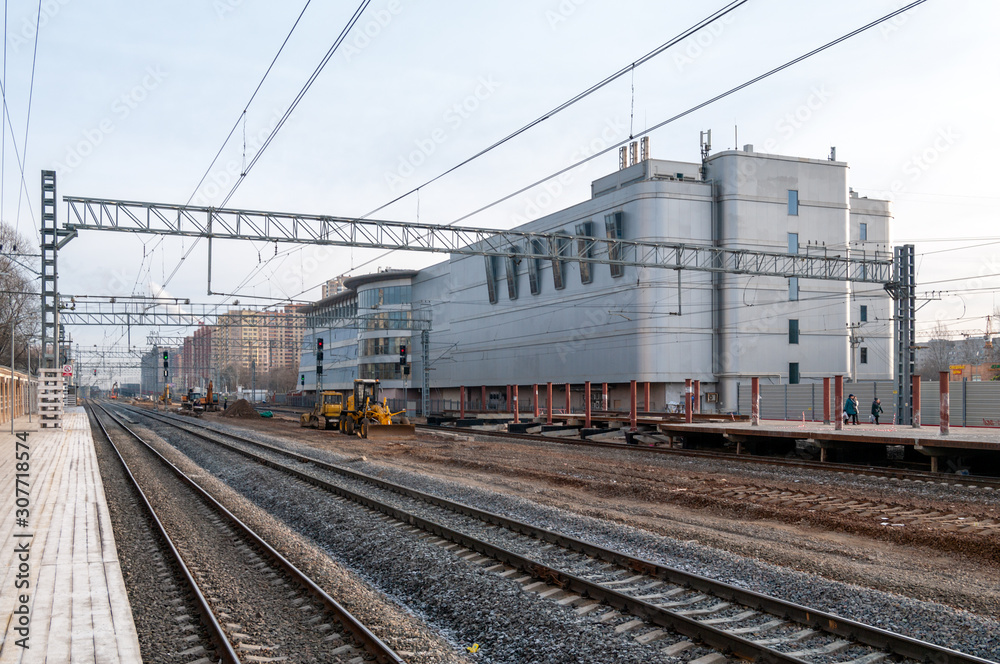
793, 373
793, 289
864, 313
793, 243
559, 248
583, 251
511, 262
793, 202
793, 331
864, 355
613, 229
863, 233
534, 281
491, 278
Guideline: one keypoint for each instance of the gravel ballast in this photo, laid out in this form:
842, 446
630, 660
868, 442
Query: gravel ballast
929, 621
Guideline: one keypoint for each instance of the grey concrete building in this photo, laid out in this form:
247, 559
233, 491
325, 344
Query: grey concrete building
520, 321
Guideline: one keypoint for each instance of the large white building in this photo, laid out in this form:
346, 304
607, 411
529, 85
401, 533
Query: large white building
498, 322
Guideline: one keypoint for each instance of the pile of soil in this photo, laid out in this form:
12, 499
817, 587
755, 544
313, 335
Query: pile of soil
241, 409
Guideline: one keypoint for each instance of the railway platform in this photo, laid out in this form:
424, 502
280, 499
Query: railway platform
62, 593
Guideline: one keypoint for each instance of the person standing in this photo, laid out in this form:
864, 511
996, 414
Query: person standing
876, 409
851, 408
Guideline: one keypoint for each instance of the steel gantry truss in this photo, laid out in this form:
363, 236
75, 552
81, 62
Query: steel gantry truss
233, 224
558, 247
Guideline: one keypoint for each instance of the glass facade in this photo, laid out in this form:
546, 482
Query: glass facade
388, 320
383, 346
376, 297
381, 370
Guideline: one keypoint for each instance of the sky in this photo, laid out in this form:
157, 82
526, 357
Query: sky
133, 100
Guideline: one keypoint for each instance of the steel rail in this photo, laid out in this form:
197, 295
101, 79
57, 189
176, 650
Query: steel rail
216, 633
828, 466
829, 623
374, 645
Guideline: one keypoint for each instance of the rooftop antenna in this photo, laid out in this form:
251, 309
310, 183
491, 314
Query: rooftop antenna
706, 147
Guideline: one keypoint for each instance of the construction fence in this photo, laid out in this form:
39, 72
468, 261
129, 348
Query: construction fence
973, 403
17, 394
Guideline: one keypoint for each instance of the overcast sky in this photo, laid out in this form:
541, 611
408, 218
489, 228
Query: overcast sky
132, 101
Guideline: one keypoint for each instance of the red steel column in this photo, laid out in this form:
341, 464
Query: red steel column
645, 398
586, 404
826, 400
604, 397
569, 406
461, 402
697, 396
516, 406
916, 401
688, 390
548, 403
537, 411
482, 402
838, 400
944, 381
755, 401
632, 413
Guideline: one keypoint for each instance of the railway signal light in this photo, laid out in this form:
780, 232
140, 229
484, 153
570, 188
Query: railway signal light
302, 378
319, 352
402, 356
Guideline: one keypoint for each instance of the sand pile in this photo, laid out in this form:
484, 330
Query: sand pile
241, 409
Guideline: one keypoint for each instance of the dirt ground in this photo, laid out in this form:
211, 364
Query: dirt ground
690, 500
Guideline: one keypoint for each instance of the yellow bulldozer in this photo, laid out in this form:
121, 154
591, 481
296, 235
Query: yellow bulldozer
370, 418
328, 411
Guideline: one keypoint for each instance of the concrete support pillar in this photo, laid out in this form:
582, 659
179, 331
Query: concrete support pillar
688, 406
537, 411
697, 396
569, 406
604, 396
482, 400
517, 407
755, 401
944, 381
646, 406
548, 403
838, 399
826, 400
461, 402
916, 401
633, 425
586, 404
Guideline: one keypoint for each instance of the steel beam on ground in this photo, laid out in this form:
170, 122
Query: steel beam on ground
517, 406
548, 403
688, 405
826, 400
632, 415
944, 385
838, 400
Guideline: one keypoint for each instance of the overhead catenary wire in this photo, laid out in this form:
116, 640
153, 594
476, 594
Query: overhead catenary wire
731, 91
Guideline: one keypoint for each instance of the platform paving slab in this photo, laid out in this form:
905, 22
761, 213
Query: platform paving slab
78, 607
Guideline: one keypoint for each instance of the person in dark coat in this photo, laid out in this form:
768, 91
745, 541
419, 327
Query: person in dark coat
876, 409
851, 408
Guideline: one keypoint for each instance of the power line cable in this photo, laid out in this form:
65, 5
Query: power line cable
31, 94
284, 118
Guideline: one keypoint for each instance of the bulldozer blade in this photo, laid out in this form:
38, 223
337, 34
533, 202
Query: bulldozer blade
383, 431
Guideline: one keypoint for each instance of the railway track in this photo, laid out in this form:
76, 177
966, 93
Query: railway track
255, 604
827, 466
669, 609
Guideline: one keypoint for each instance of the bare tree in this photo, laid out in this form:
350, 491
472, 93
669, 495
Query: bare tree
935, 355
19, 298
